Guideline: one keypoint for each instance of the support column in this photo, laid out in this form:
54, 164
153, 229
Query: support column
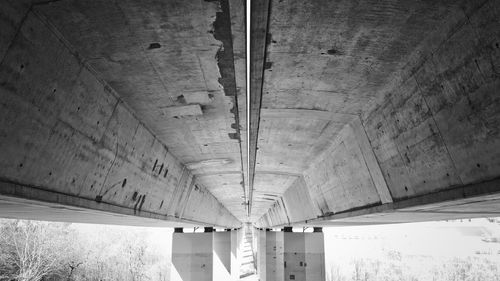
287, 255
274, 256
315, 256
222, 255
304, 256
294, 256
236, 238
192, 257
204, 256
261, 255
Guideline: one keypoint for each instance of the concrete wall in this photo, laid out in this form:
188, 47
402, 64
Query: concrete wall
68, 136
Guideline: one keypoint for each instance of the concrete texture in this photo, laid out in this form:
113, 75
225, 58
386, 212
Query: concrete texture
192, 257
261, 254
360, 111
275, 256
236, 253
291, 256
205, 256
183, 88
422, 81
66, 132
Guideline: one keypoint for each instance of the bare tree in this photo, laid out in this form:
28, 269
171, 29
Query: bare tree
72, 267
28, 249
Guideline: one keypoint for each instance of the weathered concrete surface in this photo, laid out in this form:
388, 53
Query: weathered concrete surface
77, 210
289, 140
383, 111
261, 254
202, 256
439, 126
275, 256
222, 256
236, 252
173, 63
192, 257
238, 29
66, 134
424, 79
291, 256
345, 176
259, 21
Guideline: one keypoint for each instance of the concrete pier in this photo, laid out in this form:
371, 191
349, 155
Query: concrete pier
208, 256
291, 256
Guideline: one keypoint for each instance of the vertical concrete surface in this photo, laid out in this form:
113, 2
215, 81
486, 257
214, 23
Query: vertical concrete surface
192, 257
236, 238
294, 256
261, 255
274, 256
304, 256
222, 255
205, 256
315, 256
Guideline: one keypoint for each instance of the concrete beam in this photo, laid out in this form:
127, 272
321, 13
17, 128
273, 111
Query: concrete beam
370, 160
308, 114
66, 135
430, 142
470, 201
258, 32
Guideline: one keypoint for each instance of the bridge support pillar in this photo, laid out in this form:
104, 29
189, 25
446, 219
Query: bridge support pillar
236, 238
261, 254
291, 256
275, 256
204, 256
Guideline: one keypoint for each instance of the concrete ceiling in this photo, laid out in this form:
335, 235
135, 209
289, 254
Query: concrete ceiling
179, 65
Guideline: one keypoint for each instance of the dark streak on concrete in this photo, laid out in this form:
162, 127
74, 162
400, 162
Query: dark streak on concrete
225, 56
225, 62
234, 136
142, 202
137, 203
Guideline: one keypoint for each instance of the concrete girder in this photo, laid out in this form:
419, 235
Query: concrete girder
432, 134
68, 138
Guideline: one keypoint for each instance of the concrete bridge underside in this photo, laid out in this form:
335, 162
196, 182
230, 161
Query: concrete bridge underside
360, 112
